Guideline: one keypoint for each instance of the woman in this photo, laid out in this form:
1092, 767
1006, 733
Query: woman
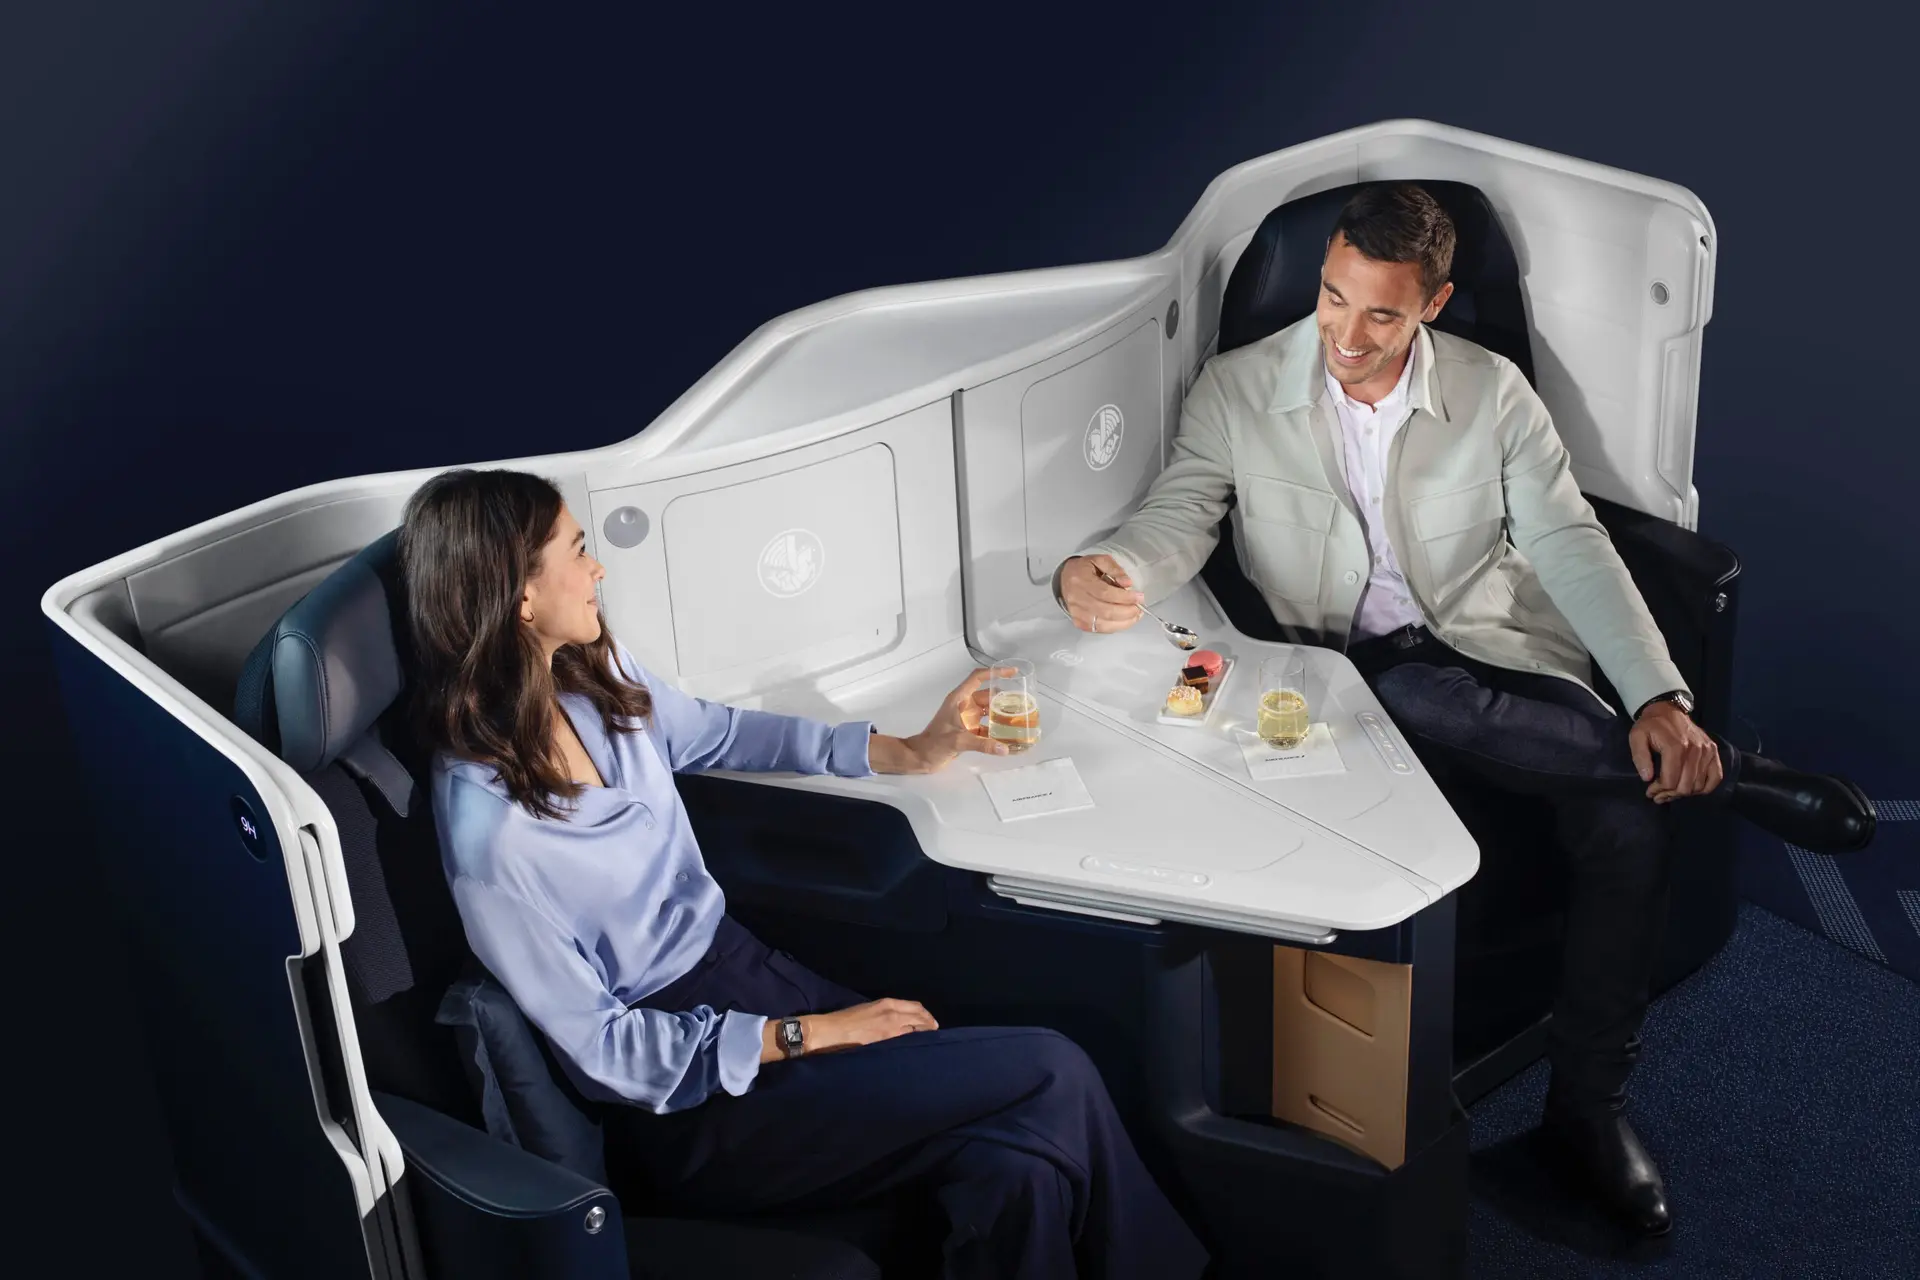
582, 890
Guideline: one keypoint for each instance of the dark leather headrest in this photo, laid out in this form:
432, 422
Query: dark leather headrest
332, 665
1277, 279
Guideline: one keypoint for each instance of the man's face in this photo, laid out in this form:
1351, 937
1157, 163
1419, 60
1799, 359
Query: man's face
1371, 310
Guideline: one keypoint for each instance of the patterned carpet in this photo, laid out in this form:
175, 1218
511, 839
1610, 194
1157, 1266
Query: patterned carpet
1778, 1093
1867, 902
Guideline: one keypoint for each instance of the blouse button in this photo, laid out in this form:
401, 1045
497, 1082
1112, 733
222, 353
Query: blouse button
681, 876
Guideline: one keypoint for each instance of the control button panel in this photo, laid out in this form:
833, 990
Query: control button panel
1161, 875
1383, 741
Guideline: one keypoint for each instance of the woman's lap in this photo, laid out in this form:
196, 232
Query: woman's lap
822, 1124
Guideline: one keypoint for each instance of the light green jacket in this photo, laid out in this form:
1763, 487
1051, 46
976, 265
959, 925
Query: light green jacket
1503, 553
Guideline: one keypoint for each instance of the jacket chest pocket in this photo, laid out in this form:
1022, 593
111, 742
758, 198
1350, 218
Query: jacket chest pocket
1458, 530
1284, 527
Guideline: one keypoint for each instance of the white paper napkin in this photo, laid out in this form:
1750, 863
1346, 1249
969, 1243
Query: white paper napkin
1052, 786
1317, 753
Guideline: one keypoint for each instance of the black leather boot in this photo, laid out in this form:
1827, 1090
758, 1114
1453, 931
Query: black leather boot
1602, 1155
1815, 811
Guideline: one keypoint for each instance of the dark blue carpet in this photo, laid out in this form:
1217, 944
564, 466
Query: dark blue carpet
1868, 902
1780, 1093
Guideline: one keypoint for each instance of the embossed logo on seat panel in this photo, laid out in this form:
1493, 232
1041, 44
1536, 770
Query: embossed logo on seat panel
1104, 432
792, 562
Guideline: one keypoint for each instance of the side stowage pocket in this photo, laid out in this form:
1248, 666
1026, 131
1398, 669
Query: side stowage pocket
1458, 530
1285, 527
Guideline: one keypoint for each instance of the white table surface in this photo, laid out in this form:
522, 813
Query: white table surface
1179, 830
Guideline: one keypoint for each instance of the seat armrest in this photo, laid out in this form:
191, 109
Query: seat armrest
1691, 561
486, 1209
1690, 585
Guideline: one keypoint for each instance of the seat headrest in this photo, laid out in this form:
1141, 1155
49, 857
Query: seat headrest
332, 665
1277, 279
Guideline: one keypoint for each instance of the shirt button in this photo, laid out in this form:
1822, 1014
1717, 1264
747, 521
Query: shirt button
681, 876
1352, 577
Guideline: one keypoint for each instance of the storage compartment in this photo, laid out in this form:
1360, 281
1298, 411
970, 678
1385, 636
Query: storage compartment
1341, 1033
787, 564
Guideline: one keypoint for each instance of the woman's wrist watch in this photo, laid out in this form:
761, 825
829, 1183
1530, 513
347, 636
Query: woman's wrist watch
790, 1038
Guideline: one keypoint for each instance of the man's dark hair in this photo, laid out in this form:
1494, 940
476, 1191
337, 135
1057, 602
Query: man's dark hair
1400, 222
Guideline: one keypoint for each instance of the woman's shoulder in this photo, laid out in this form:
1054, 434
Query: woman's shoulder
472, 809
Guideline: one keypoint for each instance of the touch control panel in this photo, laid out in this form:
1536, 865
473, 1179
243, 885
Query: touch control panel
1165, 875
1383, 742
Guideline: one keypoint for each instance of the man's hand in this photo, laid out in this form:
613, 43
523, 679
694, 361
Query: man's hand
1094, 603
1689, 757
958, 725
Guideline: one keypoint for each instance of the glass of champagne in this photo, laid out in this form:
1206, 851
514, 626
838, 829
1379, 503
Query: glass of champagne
1284, 714
1013, 713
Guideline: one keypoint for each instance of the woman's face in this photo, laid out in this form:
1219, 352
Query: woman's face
560, 604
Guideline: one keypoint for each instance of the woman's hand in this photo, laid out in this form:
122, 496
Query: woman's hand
864, 1024
959, 725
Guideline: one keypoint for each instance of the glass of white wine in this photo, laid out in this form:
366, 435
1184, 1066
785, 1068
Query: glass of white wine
1284, 714
1013, 713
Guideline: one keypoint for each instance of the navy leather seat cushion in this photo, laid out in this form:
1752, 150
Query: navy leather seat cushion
524, 1097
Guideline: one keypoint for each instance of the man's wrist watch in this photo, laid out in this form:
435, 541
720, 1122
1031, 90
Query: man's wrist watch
789, 1037
1675, 696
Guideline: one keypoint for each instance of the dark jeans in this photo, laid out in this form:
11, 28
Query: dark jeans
1007, 1130
1540, 735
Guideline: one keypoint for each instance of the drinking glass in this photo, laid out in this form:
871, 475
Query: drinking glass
1284, 714
1013, 713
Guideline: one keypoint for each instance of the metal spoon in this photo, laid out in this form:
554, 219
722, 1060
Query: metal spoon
1179, 636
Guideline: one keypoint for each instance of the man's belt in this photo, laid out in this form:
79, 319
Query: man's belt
1406, 637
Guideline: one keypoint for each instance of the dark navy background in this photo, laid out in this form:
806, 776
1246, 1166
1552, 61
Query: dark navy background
249, 247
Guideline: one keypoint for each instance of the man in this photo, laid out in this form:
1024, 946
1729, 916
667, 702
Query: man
1403, 496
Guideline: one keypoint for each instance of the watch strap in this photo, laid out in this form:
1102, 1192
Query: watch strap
1676, 696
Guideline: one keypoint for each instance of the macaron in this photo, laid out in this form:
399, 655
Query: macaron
1210, 660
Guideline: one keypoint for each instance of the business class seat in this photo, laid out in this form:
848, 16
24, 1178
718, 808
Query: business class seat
1510, 914
322, 690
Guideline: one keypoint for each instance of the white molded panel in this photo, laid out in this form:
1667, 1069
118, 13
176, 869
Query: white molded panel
1059, 453
787, 563
875, 507
1091, 442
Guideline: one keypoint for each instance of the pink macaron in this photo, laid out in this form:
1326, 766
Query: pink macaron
1209, 660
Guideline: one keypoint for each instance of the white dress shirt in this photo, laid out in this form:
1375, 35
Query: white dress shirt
1366, 433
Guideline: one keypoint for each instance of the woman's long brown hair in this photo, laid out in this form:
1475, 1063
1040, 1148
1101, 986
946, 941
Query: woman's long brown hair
469, 544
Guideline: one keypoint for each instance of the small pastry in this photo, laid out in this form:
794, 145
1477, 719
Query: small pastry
1211, 661
1184, 700
1195, 677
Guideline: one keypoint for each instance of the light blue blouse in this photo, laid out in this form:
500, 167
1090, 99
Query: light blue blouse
580, 917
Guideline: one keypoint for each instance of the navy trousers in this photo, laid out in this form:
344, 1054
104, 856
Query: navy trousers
1007, 1130
1539, 735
